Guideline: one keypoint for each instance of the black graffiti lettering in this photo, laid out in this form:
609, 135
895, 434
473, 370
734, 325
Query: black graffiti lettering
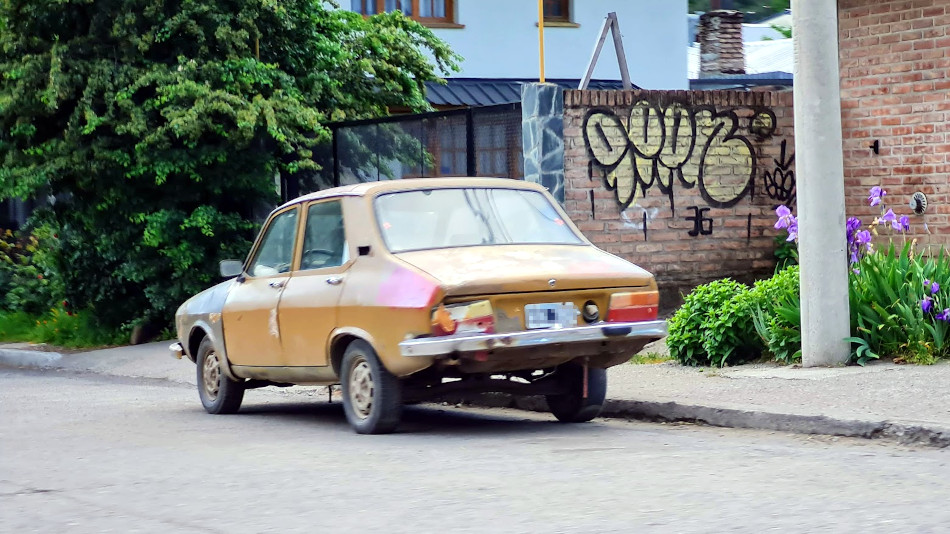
702, 225
688, 146
780, 182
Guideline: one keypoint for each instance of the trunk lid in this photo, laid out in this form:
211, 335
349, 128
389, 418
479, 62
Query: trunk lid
496, 269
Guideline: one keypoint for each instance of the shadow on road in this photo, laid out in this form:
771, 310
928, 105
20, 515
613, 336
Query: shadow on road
419, 419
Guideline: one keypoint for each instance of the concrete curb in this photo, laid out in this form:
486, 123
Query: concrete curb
903, 433
29, 358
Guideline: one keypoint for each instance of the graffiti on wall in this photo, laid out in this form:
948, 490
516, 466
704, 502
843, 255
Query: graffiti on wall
664, 147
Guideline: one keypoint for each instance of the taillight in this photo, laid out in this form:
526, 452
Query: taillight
468, 318
633, 307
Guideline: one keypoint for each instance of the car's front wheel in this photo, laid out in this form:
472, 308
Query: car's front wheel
572, 406
372, 397
219, 394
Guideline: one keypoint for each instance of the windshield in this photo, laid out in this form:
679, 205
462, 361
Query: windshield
444, 218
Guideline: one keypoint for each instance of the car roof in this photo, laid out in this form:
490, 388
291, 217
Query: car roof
410, 184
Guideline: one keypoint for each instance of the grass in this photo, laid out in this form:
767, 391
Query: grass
649, 358
58, 327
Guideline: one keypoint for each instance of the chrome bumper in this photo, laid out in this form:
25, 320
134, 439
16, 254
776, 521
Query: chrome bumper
177, 350
438, 346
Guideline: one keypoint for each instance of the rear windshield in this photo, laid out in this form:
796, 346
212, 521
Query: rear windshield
445, 218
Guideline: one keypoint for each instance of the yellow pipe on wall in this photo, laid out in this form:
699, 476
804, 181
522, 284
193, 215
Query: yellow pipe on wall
541, 36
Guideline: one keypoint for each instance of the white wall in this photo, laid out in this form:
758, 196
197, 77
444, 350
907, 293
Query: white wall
500, 40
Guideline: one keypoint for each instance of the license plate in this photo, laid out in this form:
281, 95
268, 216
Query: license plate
551, 315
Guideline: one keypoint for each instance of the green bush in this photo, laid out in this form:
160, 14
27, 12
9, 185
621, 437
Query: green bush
29, 280
777, 314
713, 325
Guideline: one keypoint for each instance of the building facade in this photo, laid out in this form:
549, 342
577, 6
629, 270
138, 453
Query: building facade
498, 39
895, 100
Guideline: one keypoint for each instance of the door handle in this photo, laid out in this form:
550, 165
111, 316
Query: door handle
277, 285
335, 280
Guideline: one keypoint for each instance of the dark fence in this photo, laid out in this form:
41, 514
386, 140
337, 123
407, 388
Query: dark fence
483, 141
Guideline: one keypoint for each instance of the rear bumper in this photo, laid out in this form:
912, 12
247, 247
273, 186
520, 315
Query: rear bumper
177, 351
441, 346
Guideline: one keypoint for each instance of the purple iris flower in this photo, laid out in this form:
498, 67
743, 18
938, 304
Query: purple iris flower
934, 287
853, 224
785, 217
863, 237
944, 315
876, 196
904, 224
889, 217
926, 304
793, 230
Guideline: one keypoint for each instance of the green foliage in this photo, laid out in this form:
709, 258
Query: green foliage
161, 127
713, 325
786, 252
886, 291
58, 327
777, 314
28, 276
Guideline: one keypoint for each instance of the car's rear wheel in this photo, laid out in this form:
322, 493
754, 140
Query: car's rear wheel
372, 397
219, 394
572, 406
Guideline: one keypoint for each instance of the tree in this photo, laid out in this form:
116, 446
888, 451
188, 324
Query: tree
160, 126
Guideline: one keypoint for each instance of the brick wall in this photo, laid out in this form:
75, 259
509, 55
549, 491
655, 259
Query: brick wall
683, 183
894, 59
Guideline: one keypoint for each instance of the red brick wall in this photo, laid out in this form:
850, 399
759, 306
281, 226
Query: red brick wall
683, 183
894, 57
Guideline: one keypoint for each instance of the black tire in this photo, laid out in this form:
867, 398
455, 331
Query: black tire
372, 397
219, 394
571, 406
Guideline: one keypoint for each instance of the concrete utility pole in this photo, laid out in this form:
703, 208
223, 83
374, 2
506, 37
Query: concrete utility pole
820, 170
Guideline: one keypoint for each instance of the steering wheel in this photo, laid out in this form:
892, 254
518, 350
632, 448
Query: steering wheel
307, 260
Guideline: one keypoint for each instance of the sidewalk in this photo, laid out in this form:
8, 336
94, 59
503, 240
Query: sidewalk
909, 404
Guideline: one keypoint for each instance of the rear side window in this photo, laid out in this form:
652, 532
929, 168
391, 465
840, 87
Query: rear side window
324, 242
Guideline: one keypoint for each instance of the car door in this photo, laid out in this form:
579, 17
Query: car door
307, 311
251, 323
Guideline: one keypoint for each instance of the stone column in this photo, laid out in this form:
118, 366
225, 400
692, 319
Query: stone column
542, 133
820, 170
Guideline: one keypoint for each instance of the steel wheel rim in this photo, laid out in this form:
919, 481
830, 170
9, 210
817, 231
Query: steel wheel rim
211, 375
361, 389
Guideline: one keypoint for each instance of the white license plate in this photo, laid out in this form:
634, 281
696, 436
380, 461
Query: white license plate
550, 315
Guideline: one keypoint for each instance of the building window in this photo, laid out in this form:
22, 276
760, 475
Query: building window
557, 11
424, 11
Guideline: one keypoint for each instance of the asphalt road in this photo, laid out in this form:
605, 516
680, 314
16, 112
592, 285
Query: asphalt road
90, 453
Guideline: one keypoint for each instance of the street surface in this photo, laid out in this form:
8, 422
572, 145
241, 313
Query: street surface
91, 453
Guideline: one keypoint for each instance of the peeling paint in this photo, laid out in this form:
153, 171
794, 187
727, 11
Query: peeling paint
633, 216
214, 317
272, 324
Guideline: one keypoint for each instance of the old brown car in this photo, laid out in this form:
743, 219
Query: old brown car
408, 290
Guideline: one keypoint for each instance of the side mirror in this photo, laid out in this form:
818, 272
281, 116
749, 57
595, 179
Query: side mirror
231, 268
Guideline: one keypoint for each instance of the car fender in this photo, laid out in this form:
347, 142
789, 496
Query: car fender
203, 313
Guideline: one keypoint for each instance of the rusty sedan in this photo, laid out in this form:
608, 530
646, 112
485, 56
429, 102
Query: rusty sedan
408, 290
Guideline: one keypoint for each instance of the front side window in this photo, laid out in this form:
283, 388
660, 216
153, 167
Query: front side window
276, 251
324, 242
464, 217
434, 11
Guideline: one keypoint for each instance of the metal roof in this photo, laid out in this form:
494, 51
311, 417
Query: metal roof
492, 91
